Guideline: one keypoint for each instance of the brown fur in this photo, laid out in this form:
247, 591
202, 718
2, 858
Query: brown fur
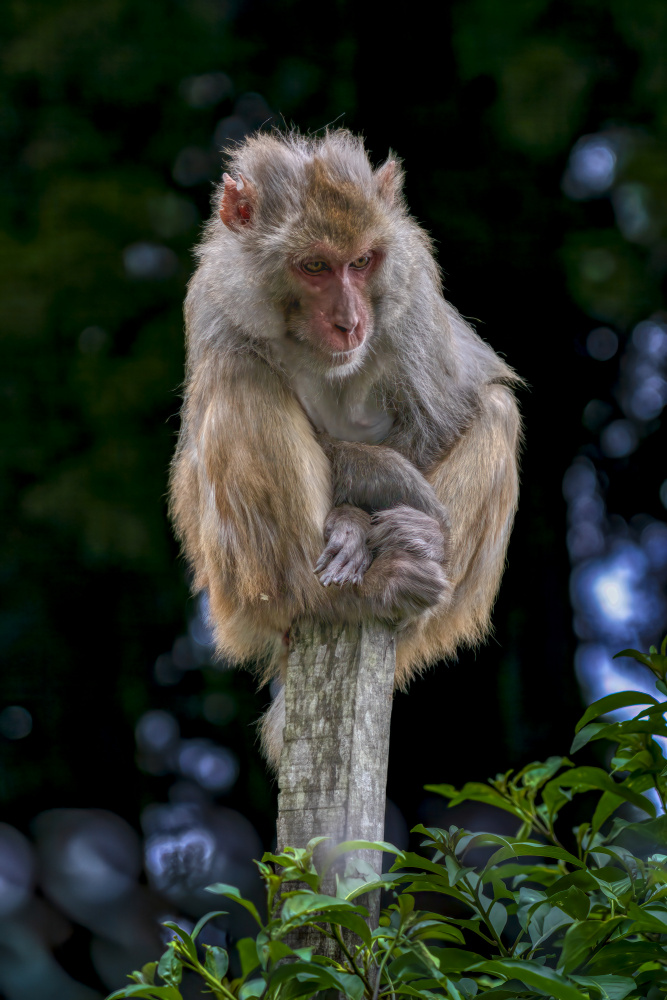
254, 481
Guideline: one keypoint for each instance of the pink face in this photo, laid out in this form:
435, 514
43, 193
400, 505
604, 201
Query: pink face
334, 300
332, 311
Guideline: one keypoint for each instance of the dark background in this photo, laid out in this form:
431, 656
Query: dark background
534, 138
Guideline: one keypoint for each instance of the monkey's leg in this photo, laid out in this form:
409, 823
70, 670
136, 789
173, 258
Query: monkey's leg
477, 481
412, 530
401, 586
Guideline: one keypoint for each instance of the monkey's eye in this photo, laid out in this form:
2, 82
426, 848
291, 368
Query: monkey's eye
315, 266
360, 263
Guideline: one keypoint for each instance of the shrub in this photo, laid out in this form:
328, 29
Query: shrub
537, 919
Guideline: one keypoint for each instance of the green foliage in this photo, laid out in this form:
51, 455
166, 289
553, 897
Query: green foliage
587, 921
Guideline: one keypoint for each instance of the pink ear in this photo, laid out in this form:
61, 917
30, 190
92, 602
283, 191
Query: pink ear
238, 203
389, 180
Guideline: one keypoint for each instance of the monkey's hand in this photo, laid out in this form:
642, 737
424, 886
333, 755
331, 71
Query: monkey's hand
346, 556
410, 530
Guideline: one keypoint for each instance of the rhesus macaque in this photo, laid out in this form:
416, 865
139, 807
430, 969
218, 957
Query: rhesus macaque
349, 444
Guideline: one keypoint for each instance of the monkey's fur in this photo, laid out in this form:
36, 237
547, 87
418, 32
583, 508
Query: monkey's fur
415, 524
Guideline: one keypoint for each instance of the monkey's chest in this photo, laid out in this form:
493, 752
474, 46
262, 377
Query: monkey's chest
343, 418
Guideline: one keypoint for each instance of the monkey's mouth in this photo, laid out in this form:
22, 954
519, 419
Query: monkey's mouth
344, 357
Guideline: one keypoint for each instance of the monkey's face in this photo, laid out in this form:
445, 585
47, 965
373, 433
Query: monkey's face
331, 308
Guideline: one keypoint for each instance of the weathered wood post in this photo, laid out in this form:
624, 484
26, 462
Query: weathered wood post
333, 768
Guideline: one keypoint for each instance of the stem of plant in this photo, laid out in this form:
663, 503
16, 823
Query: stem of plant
485, 916
376, 991
347, 953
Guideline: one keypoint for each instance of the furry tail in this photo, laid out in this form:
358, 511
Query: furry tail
271, 726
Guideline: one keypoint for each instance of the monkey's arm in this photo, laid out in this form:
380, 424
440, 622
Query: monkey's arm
376, 477
250, 491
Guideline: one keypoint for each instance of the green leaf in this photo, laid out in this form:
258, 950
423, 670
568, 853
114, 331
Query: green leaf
607, 987
187, 941
411, 860
497, 916
170, 967
585, 779
277, 950
247, 951
533, 974
621, 699
386, 882
323, 976
253, 988
508, 991
625, 956
431, 884
475, 791
149, 992
436, 930
217, 961
354, 922
147, 974
649, 918
204, 920
581, 879
592, 731
419, 990
652, 831
582, 938
536, 774
635, 654
358, 845
303, 903
456, 959
608, 803
573, 902
222, 889
413, 962
526, 848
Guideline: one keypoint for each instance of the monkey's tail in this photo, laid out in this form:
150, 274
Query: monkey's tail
271, 728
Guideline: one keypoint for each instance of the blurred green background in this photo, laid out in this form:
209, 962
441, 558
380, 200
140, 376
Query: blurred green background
534, 135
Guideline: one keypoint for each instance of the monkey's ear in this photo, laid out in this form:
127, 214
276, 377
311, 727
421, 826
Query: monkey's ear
238, 201
389, 180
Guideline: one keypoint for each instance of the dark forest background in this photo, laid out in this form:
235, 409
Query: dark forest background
534, 135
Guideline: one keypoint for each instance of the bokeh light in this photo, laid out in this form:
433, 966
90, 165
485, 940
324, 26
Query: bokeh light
15, 722
114, 705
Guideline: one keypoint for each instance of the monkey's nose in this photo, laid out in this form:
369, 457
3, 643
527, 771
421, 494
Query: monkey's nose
347, 326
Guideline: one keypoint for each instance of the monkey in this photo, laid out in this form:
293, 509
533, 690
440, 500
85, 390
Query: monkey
348, 444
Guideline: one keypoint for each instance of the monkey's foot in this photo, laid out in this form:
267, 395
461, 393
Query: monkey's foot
402, 585
405, 528
346, 556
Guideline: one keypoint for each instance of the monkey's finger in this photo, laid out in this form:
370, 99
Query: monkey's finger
323, 561
344, 565
330, 551
335, 571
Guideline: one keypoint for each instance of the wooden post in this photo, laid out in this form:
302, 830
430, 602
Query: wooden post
333, 768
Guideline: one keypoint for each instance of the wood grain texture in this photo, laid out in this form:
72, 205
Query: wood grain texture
333, 768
